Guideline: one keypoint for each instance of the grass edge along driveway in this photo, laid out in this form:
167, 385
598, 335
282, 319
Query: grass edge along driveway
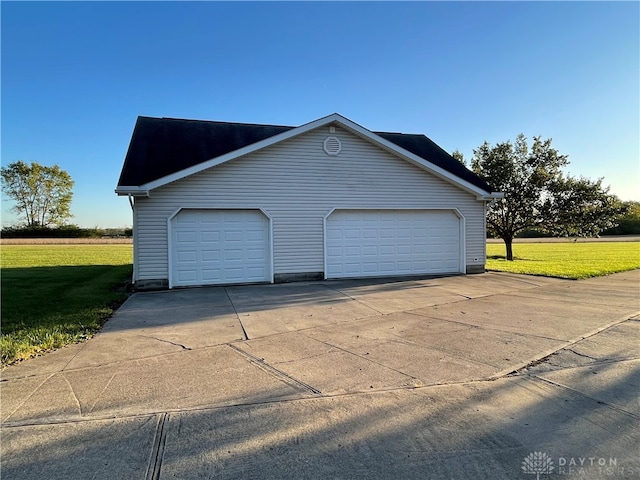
56, 295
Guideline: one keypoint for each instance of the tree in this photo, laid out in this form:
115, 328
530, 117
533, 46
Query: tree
42, 194
579, 207
458, 155
629, 222
538, 195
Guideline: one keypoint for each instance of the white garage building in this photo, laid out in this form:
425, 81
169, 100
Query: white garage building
218, 203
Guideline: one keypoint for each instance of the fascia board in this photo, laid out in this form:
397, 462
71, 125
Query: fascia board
133, 190
294, 132
492, 196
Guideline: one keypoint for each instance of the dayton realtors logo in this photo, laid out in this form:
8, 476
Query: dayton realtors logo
537, 463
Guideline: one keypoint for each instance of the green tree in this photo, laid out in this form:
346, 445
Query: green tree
459, 156
629, 223
42, 194
537, 194
579, 207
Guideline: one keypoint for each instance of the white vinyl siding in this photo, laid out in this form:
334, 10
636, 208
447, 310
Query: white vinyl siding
297, 184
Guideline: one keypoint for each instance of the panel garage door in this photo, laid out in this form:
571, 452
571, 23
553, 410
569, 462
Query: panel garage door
366, 243
219, 246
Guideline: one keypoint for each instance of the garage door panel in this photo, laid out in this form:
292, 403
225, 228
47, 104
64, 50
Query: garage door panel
390, 242
256, 254
210, 255
233, 255
187, 237
187, 275
211, 274
353, 251
219, 246
233, 236
370, 250
255, 235
387, 250
210, 237
186, 256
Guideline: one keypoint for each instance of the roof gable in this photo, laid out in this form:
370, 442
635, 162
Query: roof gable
163, 150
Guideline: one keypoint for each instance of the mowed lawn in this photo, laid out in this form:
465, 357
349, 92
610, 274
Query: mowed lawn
573, 260
54, 295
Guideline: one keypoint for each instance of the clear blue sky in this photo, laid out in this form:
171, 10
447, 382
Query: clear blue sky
75, 75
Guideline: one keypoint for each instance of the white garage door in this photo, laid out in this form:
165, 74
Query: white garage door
219, 246
366, 243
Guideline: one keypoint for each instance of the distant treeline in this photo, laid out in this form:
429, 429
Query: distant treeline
65, 231
627, 225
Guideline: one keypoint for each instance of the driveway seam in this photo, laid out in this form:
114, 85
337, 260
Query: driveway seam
578, 392
283, 376
486, 327
203, 408
367, 359
558, 368
30, 395
352, 298
244, 332
541, 358
157, 451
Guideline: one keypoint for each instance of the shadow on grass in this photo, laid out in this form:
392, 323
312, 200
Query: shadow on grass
47, 307
503, 257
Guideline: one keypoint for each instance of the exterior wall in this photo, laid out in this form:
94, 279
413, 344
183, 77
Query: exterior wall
297, 184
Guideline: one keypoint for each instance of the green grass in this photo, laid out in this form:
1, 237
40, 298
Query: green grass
572, 260
54, 295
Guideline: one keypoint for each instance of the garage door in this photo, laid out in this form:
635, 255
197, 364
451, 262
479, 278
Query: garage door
219, 246
366, 243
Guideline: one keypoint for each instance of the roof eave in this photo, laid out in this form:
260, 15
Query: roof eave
132, 191
491, 196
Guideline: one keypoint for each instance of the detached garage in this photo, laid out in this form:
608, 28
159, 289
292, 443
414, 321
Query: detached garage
217, 203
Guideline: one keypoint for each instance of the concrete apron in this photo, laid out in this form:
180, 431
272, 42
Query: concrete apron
350, 379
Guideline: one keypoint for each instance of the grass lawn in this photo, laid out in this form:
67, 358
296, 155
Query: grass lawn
566, 260
54, 295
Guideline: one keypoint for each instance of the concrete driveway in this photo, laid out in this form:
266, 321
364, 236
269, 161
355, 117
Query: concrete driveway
484, 376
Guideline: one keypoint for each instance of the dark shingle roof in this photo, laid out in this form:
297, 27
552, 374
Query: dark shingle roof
163, 146
424, 147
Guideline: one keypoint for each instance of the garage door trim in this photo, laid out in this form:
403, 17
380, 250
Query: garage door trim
455, 211
226, 209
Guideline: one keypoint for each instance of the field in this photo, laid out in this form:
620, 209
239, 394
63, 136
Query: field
572, 260
54, 295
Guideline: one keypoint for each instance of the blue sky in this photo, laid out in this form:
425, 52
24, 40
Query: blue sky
75, 75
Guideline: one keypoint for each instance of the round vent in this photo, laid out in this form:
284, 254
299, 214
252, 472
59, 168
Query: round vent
332, 146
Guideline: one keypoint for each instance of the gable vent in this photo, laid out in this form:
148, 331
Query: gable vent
332, 146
